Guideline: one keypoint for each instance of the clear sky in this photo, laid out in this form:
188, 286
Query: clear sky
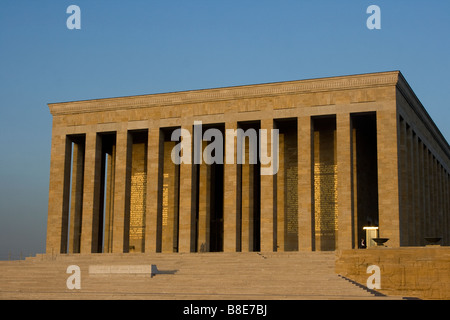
149, 46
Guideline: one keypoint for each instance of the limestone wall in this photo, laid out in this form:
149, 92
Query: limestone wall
422, 272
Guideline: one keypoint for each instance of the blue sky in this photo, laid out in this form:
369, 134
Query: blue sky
149, 46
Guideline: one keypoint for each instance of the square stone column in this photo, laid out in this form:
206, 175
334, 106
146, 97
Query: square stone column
403, 159
280, 196
417, 192
344, 181
204, 205
230, 211
58, 204
305, 200
153, 168
434, 196
408, 240
427, 188
423, 199
446, 223
268, 243
388, 193
186, 217
441, 202
247, 200
90, 242
120, 236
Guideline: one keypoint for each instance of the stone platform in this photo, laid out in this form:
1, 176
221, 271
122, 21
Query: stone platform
422, 272
196, 276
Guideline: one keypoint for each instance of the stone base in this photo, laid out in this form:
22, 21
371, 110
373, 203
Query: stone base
421, 272
194, 276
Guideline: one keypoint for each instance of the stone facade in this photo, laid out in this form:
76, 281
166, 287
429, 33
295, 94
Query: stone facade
354, 151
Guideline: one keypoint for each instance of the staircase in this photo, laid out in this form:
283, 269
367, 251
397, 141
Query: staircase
241, 276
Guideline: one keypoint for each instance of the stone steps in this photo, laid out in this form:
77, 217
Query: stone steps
183, 276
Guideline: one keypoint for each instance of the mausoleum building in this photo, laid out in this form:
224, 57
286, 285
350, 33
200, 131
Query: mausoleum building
355, 153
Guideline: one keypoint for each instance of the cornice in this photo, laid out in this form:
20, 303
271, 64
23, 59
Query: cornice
227, 93
420, 111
